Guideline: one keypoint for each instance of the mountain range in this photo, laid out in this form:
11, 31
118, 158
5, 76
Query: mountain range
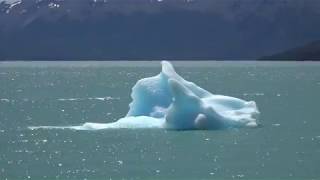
155, 29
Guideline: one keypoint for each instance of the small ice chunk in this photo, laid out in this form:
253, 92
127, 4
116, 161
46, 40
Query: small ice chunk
5, 100
276, 124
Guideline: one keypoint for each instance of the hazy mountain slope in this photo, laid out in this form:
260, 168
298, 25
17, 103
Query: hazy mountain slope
150, 29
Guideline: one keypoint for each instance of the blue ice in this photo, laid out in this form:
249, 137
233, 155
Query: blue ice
169, 101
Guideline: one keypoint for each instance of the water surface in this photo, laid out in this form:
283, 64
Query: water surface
286, 146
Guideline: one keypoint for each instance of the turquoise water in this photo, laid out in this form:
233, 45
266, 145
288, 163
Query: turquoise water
285, 146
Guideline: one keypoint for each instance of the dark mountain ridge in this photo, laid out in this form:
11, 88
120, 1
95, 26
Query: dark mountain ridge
308, 52
154, 29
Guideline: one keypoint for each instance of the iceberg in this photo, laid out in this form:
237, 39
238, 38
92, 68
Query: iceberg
171, 102
183, 105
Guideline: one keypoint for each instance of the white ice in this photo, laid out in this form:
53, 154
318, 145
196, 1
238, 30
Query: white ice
168, 101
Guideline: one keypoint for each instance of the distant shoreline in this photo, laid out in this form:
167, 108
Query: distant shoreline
157, 60
154, 64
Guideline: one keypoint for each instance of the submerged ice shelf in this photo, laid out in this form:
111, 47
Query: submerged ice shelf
168, 101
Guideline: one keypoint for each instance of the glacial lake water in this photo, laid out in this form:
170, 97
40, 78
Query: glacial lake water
286, 145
